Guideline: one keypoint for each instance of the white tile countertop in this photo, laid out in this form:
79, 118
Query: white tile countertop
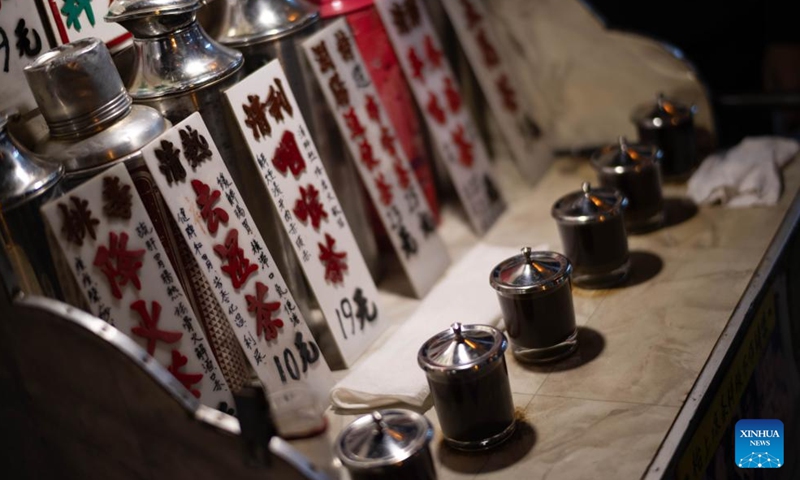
603, 412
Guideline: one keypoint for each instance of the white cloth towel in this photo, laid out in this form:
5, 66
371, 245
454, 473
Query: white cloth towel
748, 174
391, 374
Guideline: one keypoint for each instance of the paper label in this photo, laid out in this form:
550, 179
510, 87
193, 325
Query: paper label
439, 98
298, 184
22, 38
233, 256
124, 273
76, 19
381, 162
513, 111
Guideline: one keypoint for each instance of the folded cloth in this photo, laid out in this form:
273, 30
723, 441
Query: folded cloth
391, 374
744, 176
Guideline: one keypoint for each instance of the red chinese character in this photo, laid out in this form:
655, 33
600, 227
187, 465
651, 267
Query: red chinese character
148, 326
322, 57
402, 174
464, 146
186, 379
373, 111
263, 310
339, 90
434, 55
387, 141
384, 190
288, 156
508, 93
238, 268
308, 205
335, 262
256, 117
344, 46
119, 264
277, 102
416, 63
206, 202
473, 17
353, 123
367, 156
434, 109
452, 95
490, 56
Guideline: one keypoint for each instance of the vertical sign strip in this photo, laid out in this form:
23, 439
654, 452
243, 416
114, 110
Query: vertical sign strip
292, 171
439, 98
513, 112
77, 19
232, 254
381, 162
127, 280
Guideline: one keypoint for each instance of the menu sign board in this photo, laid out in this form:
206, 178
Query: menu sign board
381, 162
127, 280
439, 98
298, 184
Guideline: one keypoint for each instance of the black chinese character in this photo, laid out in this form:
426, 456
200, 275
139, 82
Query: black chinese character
170, 163
24, 43
309, 353
362, 312
195, 147
409, 243
117, 198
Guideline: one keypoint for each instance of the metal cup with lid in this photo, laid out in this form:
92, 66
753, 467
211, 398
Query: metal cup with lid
634, 170
592, 230
669, 125
468, 377
26, 182
535, 296
388, 444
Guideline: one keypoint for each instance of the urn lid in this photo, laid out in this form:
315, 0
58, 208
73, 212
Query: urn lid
174, 54
23, 176
626, 156
664, 113
589, 205
384, 438
462, 348
530, 272
77, 88
247, 22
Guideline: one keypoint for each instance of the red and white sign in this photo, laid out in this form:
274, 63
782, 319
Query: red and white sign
439, 98
76, 19
381, 162
124, 273
233, 256
298, 184
512, 110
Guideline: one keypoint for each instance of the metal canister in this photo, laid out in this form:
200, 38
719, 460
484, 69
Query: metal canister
535, 296
93, 125
669, 125
26, 182
634, 170
388, 444
264, 30
590, 222
468, 378
387, 76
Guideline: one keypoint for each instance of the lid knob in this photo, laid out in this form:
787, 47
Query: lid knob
456, 328
527, 252
380, 426
661, 101
586, 187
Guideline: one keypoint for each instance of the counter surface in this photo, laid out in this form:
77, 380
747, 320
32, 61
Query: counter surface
603, 412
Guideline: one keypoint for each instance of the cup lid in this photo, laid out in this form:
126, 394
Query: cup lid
589, 205
530, 272
22, 175
384, 438
626, 156
462, 347
664, 113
